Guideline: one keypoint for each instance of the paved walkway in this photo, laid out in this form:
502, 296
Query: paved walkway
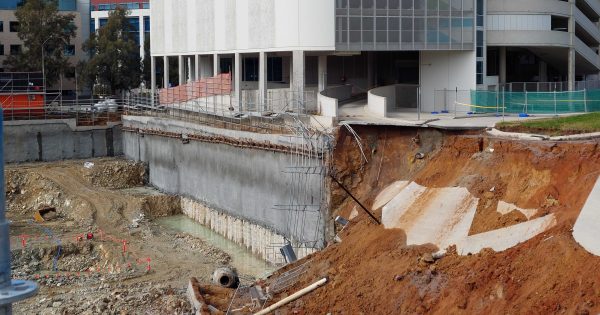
357, 113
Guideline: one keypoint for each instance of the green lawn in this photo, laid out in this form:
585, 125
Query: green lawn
555, 126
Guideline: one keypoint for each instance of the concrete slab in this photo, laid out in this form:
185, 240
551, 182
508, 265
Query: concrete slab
505, 208
505, 238
443, 217
585, 230
439, 216
388, 193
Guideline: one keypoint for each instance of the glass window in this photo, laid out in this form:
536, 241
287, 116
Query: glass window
15, 49
146, 5
14, 26
69, 50
1, 26
103, 22
146, 24
1, 50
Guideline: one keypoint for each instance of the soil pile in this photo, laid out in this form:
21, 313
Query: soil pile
372, 271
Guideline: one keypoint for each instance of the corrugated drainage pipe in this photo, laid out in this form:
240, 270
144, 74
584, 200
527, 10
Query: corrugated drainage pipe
10, 290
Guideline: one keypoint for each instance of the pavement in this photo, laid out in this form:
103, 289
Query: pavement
356, 113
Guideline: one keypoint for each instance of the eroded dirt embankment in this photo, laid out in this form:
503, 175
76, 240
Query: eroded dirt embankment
373, 271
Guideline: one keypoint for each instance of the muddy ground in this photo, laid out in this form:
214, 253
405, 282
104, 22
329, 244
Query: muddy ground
147, 274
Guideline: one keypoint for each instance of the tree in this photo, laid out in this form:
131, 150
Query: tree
42, 25
114, 55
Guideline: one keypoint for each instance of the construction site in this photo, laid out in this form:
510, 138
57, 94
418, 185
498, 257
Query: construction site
180, 205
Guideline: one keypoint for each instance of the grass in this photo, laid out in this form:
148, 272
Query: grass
569, 125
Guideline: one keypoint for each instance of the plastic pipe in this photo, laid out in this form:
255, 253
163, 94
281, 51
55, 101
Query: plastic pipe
292, 297
10, 290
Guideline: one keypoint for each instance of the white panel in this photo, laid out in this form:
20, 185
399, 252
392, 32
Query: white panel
445, 70
519, 22
216, 26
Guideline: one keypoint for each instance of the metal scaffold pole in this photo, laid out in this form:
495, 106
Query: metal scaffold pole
10, 290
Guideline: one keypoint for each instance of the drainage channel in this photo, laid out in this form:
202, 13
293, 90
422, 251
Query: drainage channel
241, 258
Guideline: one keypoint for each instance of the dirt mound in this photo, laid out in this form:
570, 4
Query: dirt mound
373, 271
115, 174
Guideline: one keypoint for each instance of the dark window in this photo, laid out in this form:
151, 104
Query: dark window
275, 69
15, 49
1, 26
493, 61
1, 49
147, 24
103, 22
69, 50
14, 26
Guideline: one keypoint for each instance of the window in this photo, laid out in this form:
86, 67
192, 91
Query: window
15, 49
14, 26
146, 5
1, 50
69, 50
1, 26
147, 24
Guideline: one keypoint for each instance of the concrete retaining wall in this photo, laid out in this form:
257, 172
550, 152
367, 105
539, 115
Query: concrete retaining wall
241, 182
262, 241
51, 140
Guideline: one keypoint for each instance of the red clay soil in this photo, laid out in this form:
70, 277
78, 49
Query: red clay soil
372, 271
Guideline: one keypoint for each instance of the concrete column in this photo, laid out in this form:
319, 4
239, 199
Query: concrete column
571, 70
297, 76
502, 66
96, 24
571, 58
216, 65
190, 69
142, 37
322, 73
237, 81
262, 78
197, 65
165, 71
181, 68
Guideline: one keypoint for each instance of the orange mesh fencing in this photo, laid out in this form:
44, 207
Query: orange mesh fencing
219, 85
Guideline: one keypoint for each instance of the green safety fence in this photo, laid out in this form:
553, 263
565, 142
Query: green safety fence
535, 102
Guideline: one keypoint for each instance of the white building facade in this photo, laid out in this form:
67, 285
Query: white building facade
436, 45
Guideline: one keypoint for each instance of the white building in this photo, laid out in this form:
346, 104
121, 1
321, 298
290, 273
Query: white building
311, 45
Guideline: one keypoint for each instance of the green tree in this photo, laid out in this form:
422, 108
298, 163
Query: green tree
42, 25
115, 62
146, 64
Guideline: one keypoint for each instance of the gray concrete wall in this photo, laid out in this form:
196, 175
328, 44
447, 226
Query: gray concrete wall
51, 140
246, 183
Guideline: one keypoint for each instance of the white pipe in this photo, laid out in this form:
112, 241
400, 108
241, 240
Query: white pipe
292, 297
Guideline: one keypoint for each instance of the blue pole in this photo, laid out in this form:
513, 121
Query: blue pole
10, 290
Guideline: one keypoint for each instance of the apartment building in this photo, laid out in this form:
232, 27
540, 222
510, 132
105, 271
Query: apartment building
139, 17
11, 44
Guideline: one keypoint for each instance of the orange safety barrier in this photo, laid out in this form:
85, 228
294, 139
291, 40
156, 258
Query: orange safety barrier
219, 85
19, 104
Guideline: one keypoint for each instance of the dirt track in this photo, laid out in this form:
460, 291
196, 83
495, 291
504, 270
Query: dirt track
84, 207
